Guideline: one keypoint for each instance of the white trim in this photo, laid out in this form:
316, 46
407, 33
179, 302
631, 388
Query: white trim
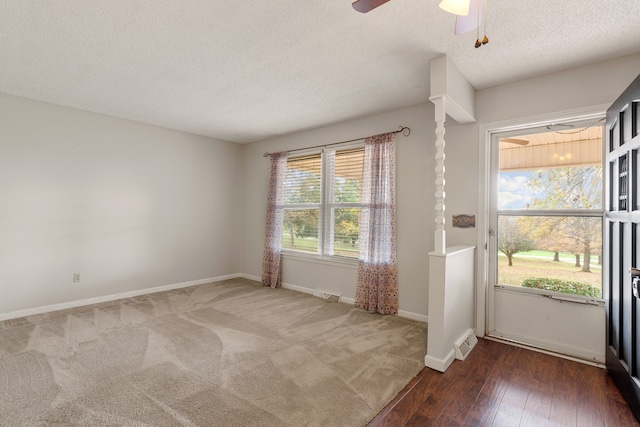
414, 316
299, 289
486, 130
131, 294
440, 365
546, 347
113, 297
347, 300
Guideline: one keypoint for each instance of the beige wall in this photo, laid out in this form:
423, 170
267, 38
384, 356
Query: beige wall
131, 206
415, 199
128, 206
577, 88
586, 86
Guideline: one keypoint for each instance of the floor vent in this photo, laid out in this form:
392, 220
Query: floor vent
465, 344
326, 295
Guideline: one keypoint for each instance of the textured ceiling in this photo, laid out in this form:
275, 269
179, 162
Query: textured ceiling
248, 70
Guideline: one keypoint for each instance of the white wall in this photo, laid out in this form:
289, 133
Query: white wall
557, 93
131, 206
586, 86
581, 87
127, 205
414, 198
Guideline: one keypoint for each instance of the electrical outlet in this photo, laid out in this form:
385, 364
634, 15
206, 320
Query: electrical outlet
76, 277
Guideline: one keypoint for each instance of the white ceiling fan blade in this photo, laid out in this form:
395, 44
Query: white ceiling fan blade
470, 22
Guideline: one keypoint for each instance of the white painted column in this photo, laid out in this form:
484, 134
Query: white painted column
440, 117
451, 271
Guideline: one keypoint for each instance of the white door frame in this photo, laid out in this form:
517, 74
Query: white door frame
486, 131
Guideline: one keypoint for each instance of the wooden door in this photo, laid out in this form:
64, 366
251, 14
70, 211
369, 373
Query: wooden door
622, 243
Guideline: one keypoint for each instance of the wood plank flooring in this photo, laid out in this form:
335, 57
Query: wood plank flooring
503, 385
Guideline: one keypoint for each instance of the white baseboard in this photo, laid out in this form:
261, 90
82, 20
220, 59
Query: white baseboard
113, 297
300, 289
414, 316
250, 277
402, 313
130, 294
440, 365
348, 300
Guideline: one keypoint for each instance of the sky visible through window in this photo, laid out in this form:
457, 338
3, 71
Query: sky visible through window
513, 191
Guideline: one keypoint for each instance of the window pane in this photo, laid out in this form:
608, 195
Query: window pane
347, 181
578, 187
556, 253
345, 237
303, 183
300, 230
557, 170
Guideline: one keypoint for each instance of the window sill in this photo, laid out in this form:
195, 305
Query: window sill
321, 259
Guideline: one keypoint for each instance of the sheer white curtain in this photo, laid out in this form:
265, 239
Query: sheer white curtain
271, 271
377, 289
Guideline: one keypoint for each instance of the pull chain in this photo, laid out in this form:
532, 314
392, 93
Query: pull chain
485, 39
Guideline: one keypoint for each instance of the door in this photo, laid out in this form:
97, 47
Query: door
545, 237
622, 225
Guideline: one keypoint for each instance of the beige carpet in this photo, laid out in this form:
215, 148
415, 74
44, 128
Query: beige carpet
230, 353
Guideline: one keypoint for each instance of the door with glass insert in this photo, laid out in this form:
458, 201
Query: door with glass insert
622, 225
546, 238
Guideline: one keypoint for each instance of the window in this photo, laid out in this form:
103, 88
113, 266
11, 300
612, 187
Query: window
302, 200
322, 202
549, 217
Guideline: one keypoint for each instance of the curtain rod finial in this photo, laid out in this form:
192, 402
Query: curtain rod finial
405, 130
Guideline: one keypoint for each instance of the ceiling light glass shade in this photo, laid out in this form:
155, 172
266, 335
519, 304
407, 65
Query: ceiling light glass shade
457, 7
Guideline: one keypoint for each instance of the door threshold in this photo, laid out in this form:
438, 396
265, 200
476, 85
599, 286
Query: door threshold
544, 351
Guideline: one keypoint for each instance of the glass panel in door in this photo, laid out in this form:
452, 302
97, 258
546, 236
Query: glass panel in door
549, 216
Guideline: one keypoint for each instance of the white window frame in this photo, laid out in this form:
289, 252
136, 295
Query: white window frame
485, 133
326, 226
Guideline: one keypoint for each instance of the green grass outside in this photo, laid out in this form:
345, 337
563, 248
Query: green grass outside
310, 244
548, 254
524, 268
307, 244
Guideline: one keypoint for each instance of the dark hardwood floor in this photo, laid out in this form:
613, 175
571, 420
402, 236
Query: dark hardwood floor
503, 385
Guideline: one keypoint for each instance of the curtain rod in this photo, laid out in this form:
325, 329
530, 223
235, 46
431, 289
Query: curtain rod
402, 129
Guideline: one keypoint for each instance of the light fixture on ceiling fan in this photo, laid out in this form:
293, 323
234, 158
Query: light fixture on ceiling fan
457, 7
469, 14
